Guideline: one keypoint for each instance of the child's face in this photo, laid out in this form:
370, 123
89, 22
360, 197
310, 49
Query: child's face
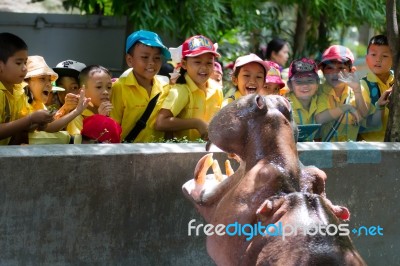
98, 88
40, 87
304, 87
145, 60
270, 89
250, 79
379, 59
14, 70
217, 77
331, 73
70, 85
199, 68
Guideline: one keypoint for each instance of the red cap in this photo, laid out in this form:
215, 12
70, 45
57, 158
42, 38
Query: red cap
303, 67
338, 53
101, 128
198, 45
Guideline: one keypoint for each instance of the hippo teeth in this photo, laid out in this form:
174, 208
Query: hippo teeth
207, 161
202, 167
217, 171
228, 168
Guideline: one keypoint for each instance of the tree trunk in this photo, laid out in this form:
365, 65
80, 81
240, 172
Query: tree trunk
300, 31
323, 41
393, 126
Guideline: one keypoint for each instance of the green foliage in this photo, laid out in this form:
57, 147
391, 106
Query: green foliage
241, 26
179, 140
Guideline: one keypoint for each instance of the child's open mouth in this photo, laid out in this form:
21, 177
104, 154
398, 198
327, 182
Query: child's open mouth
251, 89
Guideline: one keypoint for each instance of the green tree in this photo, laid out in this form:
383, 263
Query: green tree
180, 19
308, 25
317, 20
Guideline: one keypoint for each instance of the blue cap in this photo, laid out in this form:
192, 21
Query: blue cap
148, 38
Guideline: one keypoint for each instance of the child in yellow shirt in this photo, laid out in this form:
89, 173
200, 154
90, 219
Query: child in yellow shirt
16, 119
273, 81
303, 82
379, 83
195, 98
346, 101
139, 89
248, 76
96, 84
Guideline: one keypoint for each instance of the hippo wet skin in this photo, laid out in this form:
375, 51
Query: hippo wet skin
270, 187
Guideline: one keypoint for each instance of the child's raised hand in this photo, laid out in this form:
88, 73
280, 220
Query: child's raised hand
385, 98
105, 108
71, 101
351, 79
83, 102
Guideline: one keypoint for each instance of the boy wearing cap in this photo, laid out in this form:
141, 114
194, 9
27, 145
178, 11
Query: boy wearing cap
15, 116
195, 98
379, 82
303, 82
140, 90
248, 76
68, 79
346, 101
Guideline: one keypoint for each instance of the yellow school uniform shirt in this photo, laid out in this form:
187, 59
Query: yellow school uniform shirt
188, 101
376, 134
302, 116
12, 106
237, 95
129, 100
347, 130
75, 126
36, 106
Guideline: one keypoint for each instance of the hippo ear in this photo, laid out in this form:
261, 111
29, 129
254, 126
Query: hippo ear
271, 210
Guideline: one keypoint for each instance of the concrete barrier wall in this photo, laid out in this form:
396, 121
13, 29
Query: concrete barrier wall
122, 204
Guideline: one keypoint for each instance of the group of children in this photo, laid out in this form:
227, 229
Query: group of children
75, 103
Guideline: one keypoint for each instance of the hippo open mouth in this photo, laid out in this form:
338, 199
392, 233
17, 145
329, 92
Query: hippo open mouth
270, 186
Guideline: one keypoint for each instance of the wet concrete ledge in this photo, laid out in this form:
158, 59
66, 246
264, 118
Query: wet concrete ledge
122, 204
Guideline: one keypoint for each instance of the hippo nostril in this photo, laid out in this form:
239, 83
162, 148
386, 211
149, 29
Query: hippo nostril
260, 101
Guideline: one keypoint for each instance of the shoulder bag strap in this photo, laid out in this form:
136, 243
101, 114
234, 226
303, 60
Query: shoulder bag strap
337, 123
141, 123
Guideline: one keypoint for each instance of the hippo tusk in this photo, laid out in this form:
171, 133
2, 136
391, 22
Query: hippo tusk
202, 167
217, 171
228, 168
234, 156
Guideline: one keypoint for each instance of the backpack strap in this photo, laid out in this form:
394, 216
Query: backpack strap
374, 91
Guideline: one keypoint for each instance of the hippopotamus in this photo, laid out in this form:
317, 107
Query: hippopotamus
269, 187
